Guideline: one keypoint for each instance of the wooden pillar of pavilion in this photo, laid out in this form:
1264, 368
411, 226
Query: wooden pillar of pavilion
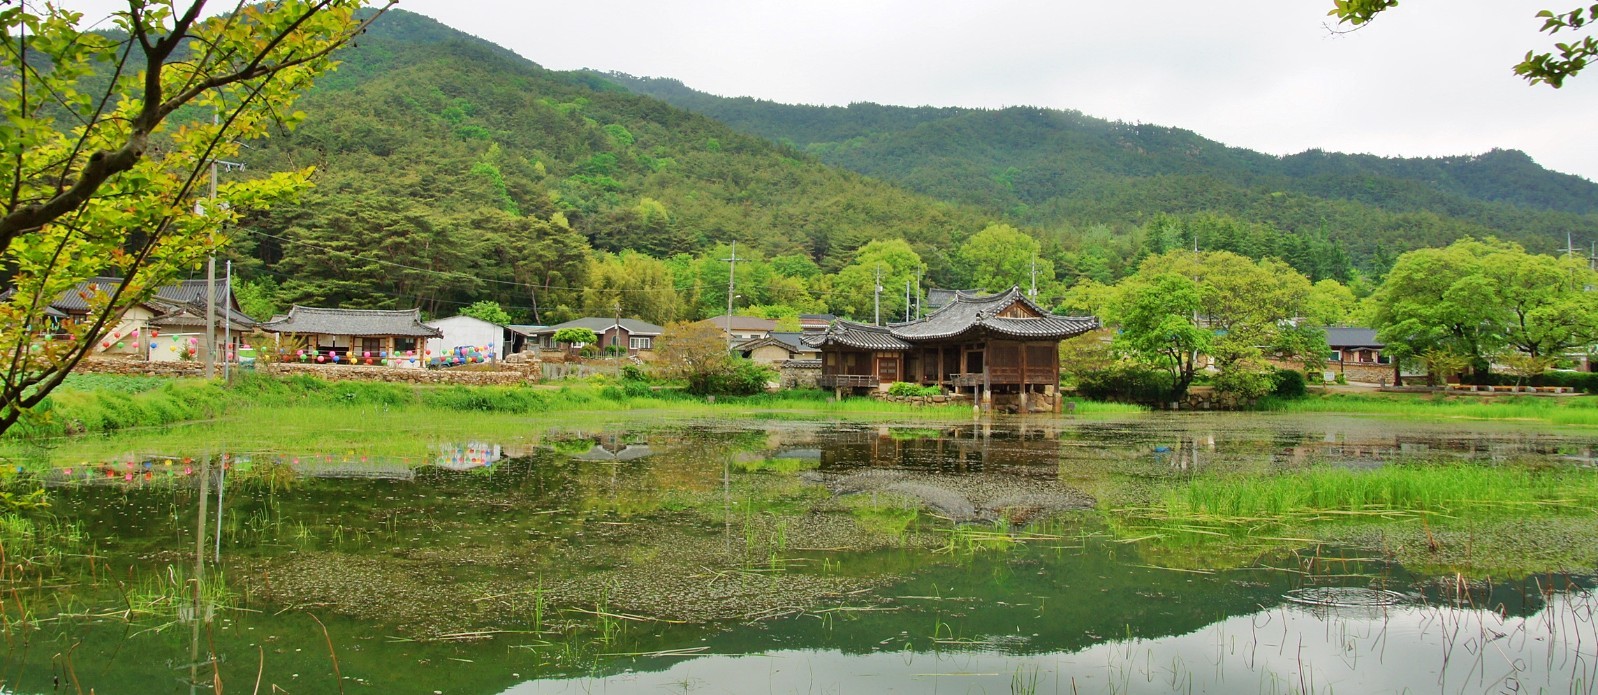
1023, 377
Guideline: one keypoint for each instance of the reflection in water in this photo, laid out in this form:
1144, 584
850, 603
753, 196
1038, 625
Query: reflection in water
1279, 650
710, 558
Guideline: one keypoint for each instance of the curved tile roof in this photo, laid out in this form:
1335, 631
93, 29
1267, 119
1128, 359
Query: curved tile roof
965, 314
856, 335
361, 322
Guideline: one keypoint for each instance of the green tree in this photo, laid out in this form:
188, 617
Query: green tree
99, 177
854, 287
487, 311
1545, 67
1476, 298
1330, 303
1156, 328
576, 336
1001, 256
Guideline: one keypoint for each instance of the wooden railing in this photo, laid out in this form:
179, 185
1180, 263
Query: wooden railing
834, 381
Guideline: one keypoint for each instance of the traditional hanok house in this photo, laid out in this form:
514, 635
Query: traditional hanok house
359, 336
777, 348
168, 326
982, 345
637, 336
1357, 355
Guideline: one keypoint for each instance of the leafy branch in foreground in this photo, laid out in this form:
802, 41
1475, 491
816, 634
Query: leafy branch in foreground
106, 147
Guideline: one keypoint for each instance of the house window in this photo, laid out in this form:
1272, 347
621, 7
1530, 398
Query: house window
372, 345
640, 343
1337, 356
404, 344
1383, 359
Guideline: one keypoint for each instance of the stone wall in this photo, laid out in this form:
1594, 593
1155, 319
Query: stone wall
507, 375
800, 374
138, 367
510, 375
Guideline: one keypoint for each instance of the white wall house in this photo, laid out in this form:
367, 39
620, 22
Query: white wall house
473, 335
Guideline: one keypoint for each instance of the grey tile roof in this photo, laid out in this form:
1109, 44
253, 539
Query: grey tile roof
1350, 337
166, 297
969, 312
192, 315
856, 335
595, 324
362, 322
965, 313
792, 341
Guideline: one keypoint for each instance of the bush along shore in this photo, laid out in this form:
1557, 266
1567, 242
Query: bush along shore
99, 403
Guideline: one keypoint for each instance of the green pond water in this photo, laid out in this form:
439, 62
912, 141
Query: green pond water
763, 555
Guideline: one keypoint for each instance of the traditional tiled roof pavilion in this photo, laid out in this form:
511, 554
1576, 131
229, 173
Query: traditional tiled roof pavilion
995, 343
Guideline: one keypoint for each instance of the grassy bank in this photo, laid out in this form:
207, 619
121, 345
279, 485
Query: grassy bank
106, 403
1571, 410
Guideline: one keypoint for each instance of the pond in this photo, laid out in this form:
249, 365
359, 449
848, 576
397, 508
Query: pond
782, 556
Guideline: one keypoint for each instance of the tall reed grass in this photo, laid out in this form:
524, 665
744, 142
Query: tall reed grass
1331, 492
1565, 410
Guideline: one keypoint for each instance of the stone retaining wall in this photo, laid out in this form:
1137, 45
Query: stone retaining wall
509, 375
512, 376
800, 374
138, 367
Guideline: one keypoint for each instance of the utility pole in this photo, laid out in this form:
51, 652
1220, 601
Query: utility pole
732, 273
918, 292
907, 300
1033, 293
876, 299
1570, 246
616, 339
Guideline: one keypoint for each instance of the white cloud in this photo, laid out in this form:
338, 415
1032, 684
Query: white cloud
1430, 78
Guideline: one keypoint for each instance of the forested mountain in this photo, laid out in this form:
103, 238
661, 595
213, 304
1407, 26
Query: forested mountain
451, 170
1046, 168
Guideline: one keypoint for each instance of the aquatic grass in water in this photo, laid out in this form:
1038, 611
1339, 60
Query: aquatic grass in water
1328, 492
1563, 410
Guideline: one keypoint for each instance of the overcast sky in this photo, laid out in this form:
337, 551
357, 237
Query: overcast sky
1430, 78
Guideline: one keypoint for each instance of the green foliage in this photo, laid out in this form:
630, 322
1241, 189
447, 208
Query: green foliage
575, 336
488, 311
740, 377
1288, 383
103, 157
1125, 381
1157, 330
1000, 257
900, 388
1545, 68
1475, 299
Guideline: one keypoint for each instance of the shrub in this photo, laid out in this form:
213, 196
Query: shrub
1125, 381
900, 388
1288, 383
633, 372
741, 377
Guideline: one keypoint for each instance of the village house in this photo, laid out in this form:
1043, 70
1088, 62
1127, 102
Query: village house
1002, 344
168, 326
742, 328
777, 348
1356, 354
356, 336
637, 337
466, 334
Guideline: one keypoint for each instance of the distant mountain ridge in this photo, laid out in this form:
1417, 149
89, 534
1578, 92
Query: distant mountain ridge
1045, 166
